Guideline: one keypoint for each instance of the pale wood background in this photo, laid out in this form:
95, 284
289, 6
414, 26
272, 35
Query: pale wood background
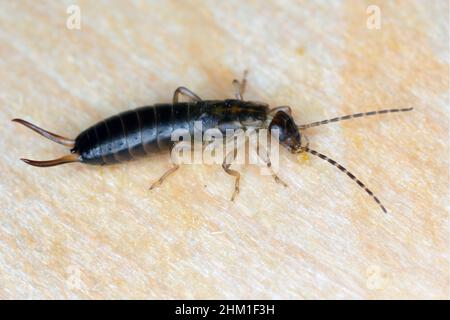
78, 231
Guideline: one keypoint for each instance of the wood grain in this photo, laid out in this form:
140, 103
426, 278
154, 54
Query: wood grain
79, 231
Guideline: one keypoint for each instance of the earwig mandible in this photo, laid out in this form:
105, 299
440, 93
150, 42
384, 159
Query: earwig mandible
145, 130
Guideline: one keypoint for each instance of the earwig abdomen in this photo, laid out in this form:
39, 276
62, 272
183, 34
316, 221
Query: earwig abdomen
147, 130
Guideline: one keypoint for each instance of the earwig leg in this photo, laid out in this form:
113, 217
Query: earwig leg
239, 87
175, 167
158, 182
226, 166
237, 176
307, 140
274, 175
185, 92
269, 166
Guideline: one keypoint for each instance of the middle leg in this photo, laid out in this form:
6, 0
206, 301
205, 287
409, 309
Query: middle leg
226, 166
174, 168
239, 87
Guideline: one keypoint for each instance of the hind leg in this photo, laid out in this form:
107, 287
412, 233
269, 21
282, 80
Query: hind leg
166, 174
185, 92
226, 166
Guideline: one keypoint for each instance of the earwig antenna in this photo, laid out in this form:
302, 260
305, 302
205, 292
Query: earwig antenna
51, 163
352, 116
348, 173
49, 135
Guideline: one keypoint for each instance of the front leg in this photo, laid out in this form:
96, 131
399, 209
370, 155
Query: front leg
268, 163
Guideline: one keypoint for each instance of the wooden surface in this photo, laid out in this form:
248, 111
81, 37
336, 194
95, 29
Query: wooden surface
79, 231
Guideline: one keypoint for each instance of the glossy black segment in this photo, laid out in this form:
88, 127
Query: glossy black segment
180, 116
250, 113
132, 130
208, 117
95, 152
104, 142
164, 125
88, 148
147, 120
195, 110
117, 139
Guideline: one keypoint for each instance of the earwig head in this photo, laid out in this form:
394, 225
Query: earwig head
289, 134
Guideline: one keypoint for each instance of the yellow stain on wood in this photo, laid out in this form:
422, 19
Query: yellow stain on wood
300, 51
303, 157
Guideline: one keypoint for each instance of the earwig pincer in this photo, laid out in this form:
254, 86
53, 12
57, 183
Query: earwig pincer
146, 130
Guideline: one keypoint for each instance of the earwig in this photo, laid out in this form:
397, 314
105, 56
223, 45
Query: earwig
147, 130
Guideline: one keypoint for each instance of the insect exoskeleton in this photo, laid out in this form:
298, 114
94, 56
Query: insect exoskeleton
147, 130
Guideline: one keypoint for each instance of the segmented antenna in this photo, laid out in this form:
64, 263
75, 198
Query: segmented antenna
348, 173
352, 116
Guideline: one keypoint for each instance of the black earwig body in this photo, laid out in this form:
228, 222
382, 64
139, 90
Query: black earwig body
147, 130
